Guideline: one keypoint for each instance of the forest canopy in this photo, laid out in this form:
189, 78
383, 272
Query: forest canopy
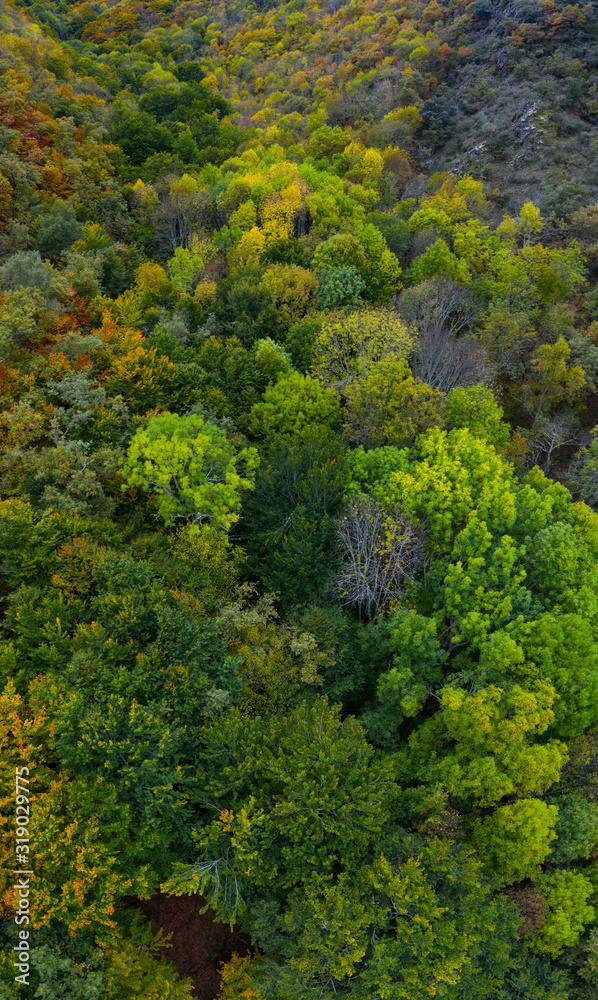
299, 499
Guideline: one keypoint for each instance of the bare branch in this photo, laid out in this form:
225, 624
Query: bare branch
379, 551
548, 436
439, 303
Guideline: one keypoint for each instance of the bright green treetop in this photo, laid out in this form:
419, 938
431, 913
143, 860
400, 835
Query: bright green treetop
191, 469
294, 404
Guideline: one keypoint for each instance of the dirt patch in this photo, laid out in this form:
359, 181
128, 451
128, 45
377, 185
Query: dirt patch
199, 942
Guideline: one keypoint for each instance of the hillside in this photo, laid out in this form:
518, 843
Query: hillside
299, 500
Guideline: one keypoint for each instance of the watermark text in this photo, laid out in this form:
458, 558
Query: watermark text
23, 873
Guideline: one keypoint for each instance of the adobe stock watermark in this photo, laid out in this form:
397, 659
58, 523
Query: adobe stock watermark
22, 872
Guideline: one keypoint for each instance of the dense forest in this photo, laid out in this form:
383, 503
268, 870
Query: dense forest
299, 499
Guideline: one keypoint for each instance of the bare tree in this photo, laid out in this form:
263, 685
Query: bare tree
444, 356
439, 303
582, 475
379, 550
550, 434
186, 208
448, 362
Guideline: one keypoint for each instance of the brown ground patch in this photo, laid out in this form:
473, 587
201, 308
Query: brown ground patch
199, 942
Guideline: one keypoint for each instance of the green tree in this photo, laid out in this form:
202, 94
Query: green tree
185, 269
133, 967
394, 230
492, 753
139, 135
388, 406
566, 893
477, 409
439, 115
29, 541
347, 345
404, 926
365, 251
583, 472
438, 259
191, 469
288, 523
140, 754
27, 269
294, 404
412, 642
297, 796
562, 648
516, 839
576, 828
56, 230
553, 380
339, 287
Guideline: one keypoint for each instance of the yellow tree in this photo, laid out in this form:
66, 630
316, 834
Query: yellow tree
347, 345
553, 380
140, 374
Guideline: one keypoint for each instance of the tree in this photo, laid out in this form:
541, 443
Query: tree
446, 362
553, 381
132, 967
74, 824
508, 337
191, 469
492, 753
564, 200
27, 270
183, 206
366, 251
515, 840
498, 589
236, 975
439, 304
576, 828
185, 147
347, 345
140, 374
439, 115
243, 308
24, 319
583, 472
57, 230
290, 289
186, 267
139, 135
438, 259
476, 408
294, 404
136, 750
6, 200
72, 477
288, 523
563, 648
339, 287
394, 230
387, 406
566, 894
445, 355
410, 641
81, 871
319, 799
379, 551
462, 465
404, 926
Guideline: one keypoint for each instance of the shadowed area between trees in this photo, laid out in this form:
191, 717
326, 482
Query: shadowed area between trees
199, 942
